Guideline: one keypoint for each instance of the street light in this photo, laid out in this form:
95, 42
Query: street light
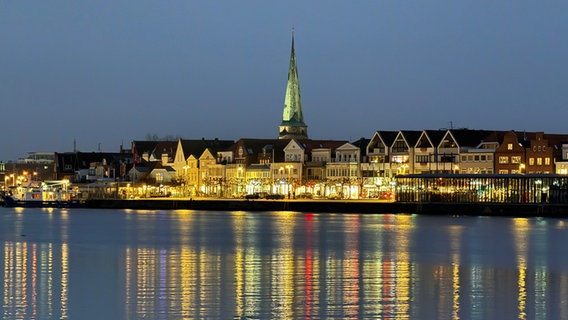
521, 167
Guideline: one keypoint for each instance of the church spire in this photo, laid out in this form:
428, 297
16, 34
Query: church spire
293, 126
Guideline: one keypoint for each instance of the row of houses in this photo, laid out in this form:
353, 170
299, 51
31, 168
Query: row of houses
324, 168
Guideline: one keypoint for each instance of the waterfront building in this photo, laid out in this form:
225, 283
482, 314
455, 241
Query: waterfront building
478, 160
343, 172
454, 143
402, 152
426, 151
90, 166
377, 169
539, 155
494, 188
510, 157
561, 161
293, 126
187, 165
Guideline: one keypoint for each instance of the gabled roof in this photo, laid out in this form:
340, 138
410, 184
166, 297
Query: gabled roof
388, 137
253, 147
435, 136
197, 147
411, 136
155, 149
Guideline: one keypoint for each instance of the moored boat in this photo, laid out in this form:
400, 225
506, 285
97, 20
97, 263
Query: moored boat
49, 194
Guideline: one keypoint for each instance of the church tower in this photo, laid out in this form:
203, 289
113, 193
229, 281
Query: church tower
293, 126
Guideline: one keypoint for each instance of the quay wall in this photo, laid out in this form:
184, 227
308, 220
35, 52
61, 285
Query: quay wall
338, 206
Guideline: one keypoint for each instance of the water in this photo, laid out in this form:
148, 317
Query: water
121, 264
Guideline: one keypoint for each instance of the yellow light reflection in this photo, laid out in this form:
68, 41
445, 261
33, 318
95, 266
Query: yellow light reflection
521, 231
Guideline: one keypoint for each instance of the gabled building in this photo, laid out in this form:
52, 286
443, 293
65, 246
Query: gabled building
426, 151
402, 152
539, 155
453, 144
510, 157
378, 153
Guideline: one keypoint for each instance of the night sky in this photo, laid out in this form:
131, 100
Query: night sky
104, 73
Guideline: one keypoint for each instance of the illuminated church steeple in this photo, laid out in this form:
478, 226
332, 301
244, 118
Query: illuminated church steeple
293, 126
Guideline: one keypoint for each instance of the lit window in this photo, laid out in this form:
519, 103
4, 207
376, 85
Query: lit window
503, 160
547, 161
531, 161
516, 159
510, 146
538, 161
503, 171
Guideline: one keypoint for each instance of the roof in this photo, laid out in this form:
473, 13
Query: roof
411, 136
469, 138
388, 137
197, 147
436, 136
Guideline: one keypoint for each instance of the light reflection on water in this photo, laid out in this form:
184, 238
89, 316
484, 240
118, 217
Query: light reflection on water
93, 264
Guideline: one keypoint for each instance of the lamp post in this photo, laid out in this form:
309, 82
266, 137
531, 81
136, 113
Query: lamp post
521, 168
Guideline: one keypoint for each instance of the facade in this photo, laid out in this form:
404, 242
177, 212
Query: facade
510, 155
539, 156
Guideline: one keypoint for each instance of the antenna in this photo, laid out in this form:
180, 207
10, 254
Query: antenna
74, 145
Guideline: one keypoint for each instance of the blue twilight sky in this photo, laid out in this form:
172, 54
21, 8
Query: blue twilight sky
108, 72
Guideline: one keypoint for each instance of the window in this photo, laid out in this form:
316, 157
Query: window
476, 158
539, 148
539, 161
483, 158
531, 161
503, 171
422, 159
464, 158
503, 160
547, 161
510, 146
516, 159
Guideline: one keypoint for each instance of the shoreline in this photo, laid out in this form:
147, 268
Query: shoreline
337, 206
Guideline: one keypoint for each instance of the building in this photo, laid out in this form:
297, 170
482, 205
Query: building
293, 126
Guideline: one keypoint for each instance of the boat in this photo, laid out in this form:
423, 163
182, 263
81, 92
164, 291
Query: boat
42, 194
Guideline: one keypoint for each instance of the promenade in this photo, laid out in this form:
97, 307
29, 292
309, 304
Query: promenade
337, 206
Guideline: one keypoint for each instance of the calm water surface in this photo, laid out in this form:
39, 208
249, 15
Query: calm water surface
121, 264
